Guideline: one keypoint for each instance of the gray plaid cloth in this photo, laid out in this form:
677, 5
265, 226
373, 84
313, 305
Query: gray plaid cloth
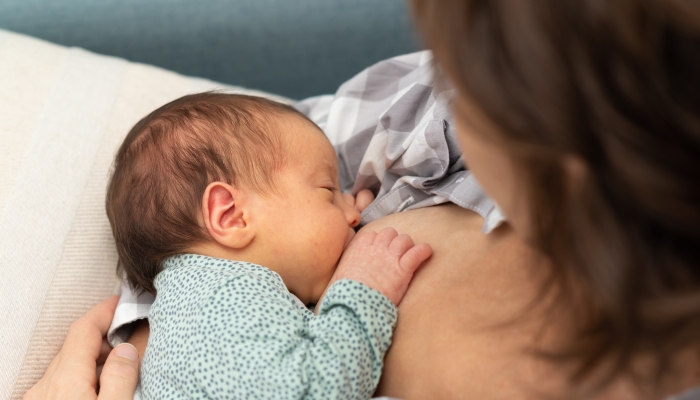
394, 134
690, 394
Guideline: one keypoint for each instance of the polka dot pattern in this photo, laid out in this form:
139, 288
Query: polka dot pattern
223, 329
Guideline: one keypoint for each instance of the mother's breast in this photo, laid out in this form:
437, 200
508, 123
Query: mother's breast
457, 334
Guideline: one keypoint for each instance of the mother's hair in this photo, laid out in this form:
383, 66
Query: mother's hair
617, 84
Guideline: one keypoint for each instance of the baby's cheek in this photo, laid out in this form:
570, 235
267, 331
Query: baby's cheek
351, 235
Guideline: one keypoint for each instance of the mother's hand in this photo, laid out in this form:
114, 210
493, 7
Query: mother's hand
73, 372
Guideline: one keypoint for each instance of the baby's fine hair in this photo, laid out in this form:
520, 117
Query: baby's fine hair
168, 159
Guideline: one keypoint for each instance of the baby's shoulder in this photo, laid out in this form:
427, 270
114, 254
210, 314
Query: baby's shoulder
192, 271
200, 282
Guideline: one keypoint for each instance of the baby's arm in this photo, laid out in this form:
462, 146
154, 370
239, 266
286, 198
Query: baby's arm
252, 341
344, 347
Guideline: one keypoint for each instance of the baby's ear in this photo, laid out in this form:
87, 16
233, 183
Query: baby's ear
225, 215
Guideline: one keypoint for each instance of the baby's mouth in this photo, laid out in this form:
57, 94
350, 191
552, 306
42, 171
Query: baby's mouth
351, 234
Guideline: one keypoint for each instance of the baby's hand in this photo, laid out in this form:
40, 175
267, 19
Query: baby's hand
384, 261
364, 198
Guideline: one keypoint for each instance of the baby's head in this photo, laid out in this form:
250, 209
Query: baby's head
229, 176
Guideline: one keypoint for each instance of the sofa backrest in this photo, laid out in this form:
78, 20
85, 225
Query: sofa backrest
296, 48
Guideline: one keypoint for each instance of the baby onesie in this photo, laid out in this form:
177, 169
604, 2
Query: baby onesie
227, 329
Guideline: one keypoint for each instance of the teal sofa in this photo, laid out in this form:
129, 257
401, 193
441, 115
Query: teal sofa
295, 48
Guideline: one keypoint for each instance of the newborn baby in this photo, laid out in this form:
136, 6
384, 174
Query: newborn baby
228, 207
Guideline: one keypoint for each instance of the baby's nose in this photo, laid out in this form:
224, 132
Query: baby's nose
353, 216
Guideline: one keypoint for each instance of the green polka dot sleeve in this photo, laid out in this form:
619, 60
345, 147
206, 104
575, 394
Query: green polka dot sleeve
228, 330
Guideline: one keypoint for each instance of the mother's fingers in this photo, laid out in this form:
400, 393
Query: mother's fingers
120, 374
84, 341
101, 315
71, 374
105, 349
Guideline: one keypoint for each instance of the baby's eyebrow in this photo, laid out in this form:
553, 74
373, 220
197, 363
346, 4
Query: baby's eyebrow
323, 170
325, 165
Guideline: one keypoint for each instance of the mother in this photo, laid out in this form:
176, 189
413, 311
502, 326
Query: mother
582, 120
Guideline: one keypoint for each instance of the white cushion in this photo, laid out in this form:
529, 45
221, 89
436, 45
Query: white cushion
63, 114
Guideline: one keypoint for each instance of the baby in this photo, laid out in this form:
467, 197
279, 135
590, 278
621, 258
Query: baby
228, 207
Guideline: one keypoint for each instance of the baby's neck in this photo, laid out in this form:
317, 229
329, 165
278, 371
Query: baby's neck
216, 250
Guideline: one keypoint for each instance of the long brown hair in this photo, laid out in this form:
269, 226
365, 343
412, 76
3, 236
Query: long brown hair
617, 84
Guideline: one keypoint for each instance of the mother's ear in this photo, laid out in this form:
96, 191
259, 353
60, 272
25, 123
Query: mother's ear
576, 173
226, 216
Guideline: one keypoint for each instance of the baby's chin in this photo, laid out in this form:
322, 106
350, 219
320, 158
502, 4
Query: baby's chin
316, 297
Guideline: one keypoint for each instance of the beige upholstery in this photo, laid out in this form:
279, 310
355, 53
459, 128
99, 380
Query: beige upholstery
63, 113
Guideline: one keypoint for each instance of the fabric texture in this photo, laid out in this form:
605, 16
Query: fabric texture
63, 114
223, 329
394, 134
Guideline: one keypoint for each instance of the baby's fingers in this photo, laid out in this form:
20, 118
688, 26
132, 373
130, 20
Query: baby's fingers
385, 236
365, 238
401, 244
349, 198
410, 261
364, 198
